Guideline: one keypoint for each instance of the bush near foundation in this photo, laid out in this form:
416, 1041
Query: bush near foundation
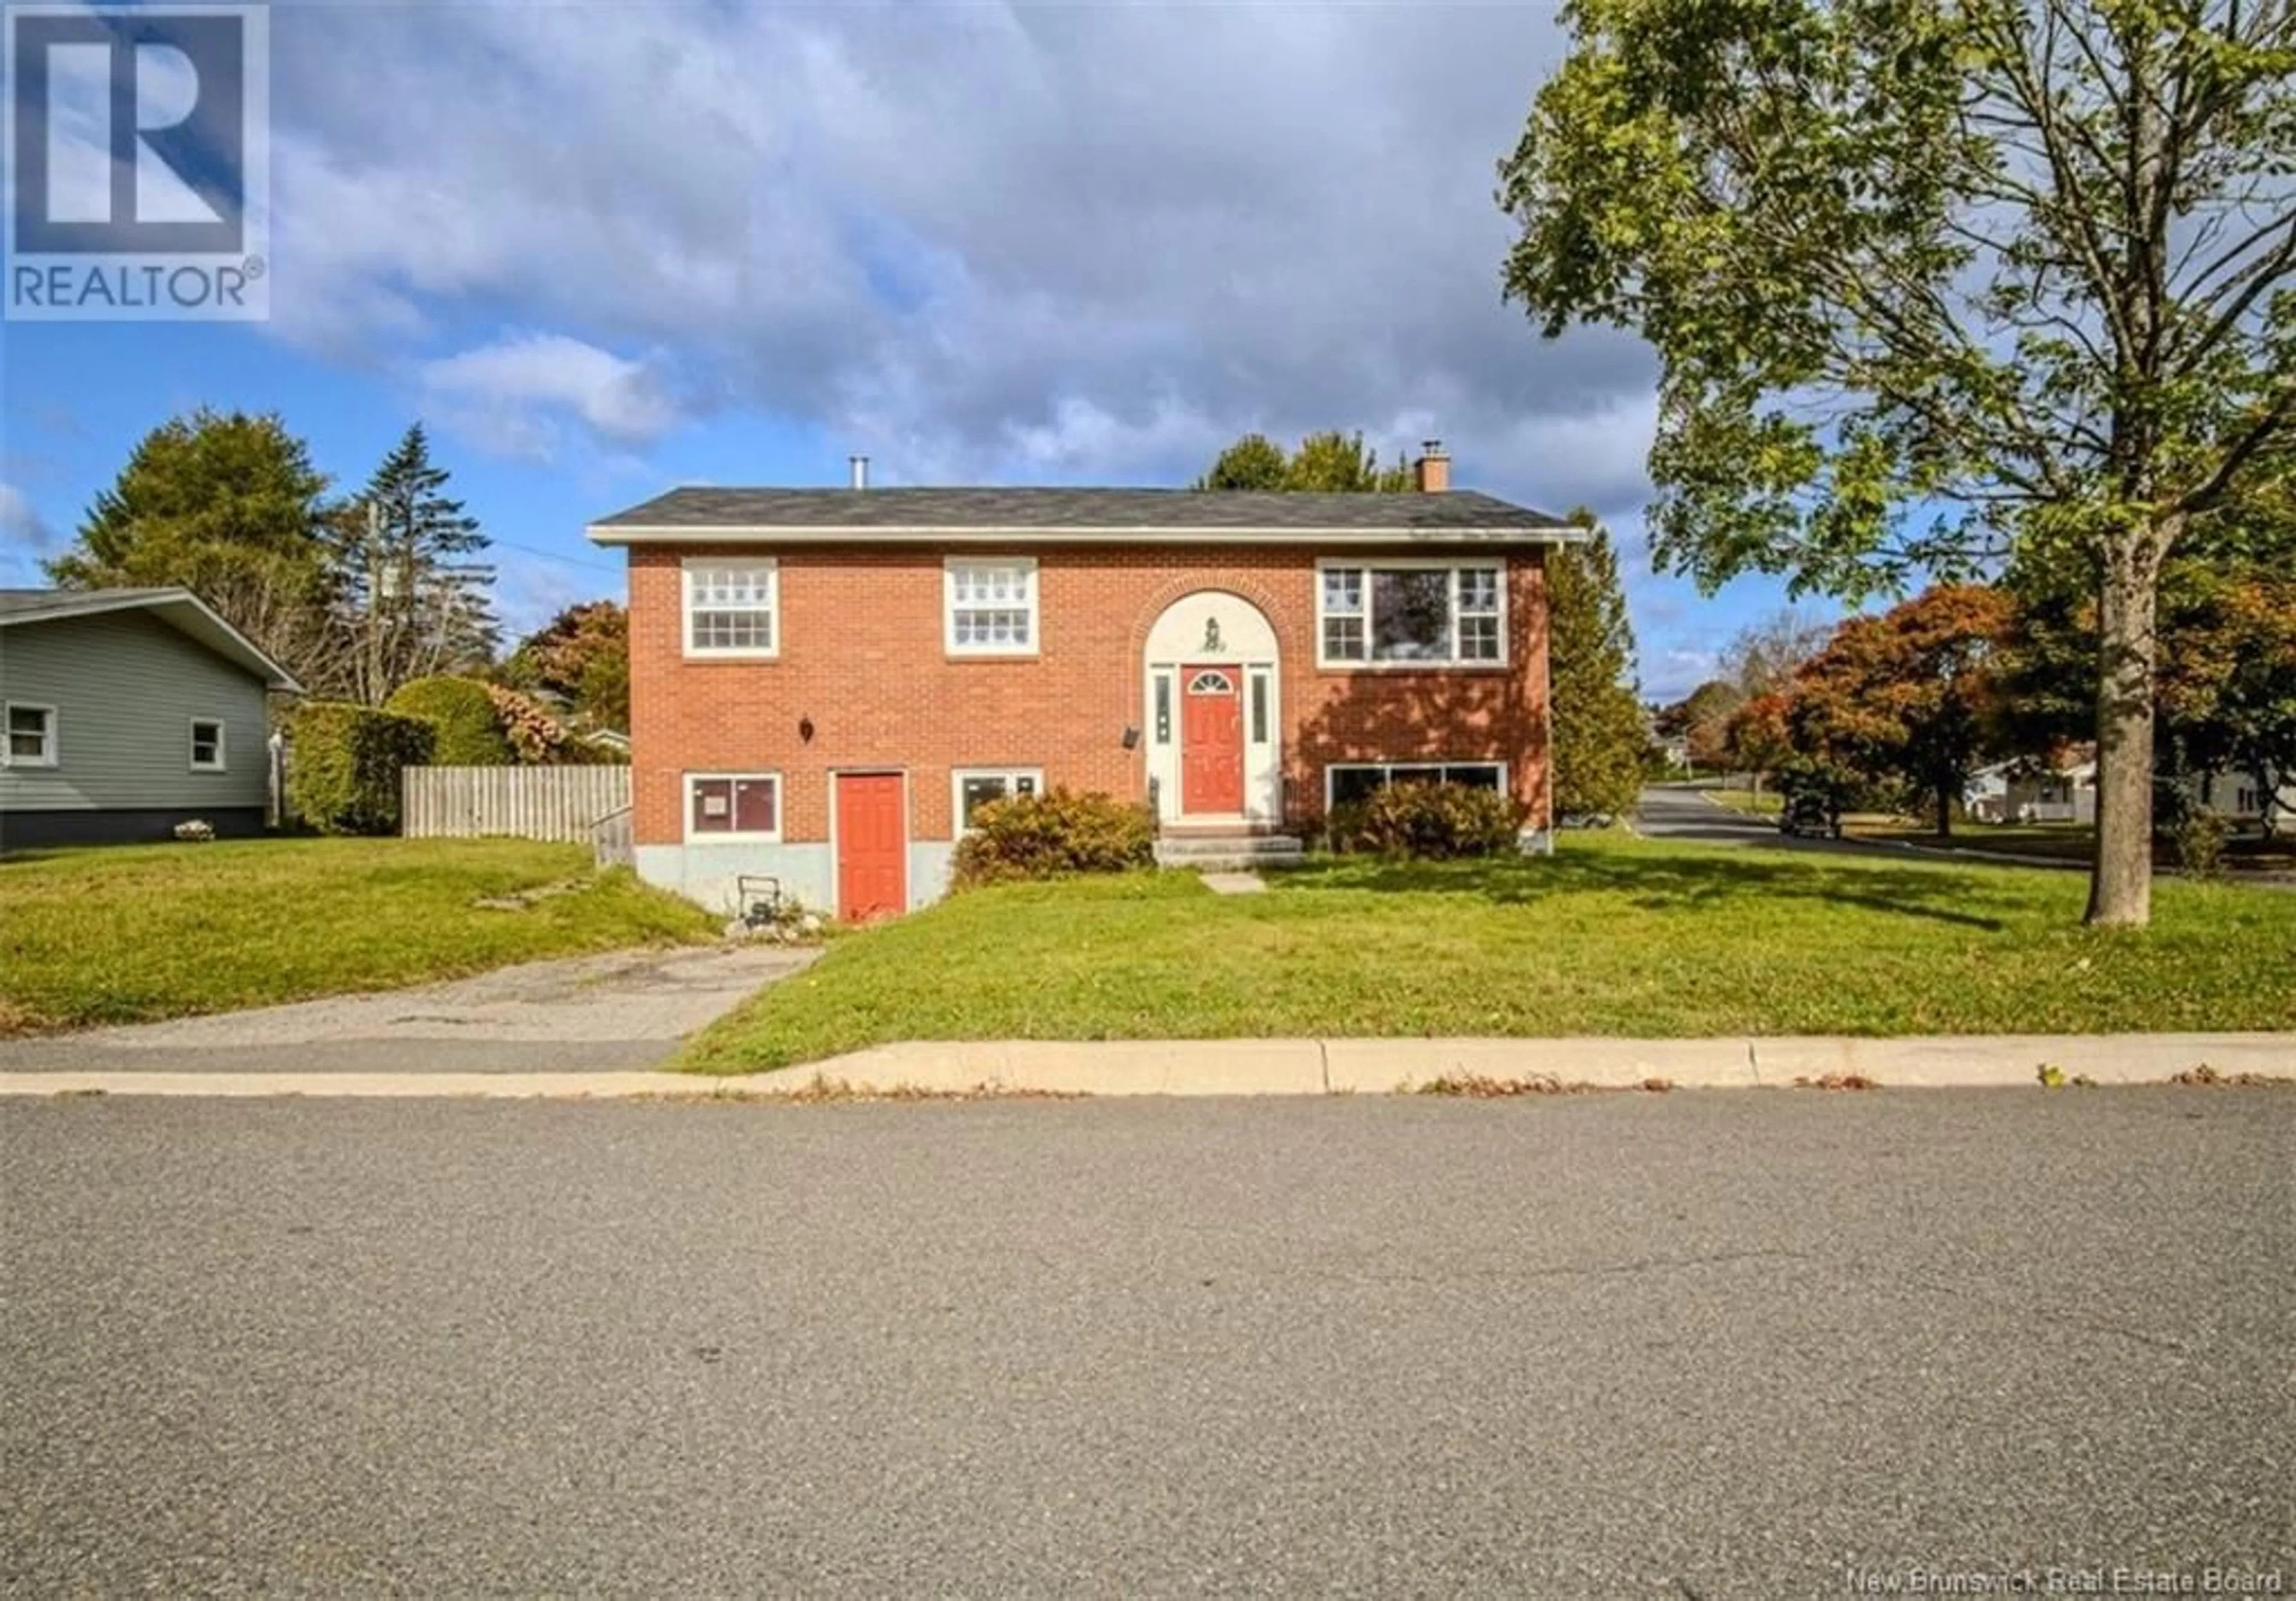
1426, 822
1054, 835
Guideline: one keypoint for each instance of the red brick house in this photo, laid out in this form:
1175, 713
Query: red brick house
824, 683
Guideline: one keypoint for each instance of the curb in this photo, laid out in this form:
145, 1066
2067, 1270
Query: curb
1291, 1067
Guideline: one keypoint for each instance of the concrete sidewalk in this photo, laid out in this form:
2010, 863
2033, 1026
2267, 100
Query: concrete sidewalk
1253, 1067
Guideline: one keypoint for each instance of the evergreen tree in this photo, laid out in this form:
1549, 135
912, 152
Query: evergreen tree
228, 506
1597, 710
414, 602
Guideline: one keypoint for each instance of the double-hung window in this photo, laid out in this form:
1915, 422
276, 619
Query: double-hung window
991, 605
733, 806
976, 787
732, 608
207, 745
1411, 613
29, 737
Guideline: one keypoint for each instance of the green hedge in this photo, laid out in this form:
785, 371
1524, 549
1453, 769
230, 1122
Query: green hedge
466, 726
342, 774
1053, 835
1426, 822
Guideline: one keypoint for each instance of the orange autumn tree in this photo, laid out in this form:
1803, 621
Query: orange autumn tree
1906, 697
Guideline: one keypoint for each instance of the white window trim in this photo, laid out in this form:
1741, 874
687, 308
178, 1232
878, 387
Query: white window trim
1035, 588
221, 764
770, 567
52, 741
734, 836
1332, 769
956, 777
1454, 662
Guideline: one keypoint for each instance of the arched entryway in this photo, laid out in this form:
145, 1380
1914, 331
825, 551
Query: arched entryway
1215, 745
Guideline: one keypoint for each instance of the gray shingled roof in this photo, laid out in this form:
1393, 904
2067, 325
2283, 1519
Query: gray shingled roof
1132, 512
24, 605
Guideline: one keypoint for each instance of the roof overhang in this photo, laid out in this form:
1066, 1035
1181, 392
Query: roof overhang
626, 534
182, 610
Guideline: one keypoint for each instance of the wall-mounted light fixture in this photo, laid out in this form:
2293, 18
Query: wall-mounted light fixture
1131, 736
804, 729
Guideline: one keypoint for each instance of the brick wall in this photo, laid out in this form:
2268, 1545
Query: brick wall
863, 660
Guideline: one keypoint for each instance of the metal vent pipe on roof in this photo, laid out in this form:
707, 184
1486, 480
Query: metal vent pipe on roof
860, 469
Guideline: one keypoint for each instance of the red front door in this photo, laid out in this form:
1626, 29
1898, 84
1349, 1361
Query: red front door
1211, 740
872, 846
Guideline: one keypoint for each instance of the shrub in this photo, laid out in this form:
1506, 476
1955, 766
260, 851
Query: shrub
343, 778
537, 738
2198, 838
467, 731
1053, 835
1426, 822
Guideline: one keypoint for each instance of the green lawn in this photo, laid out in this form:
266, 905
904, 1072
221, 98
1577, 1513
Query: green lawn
1614, 935
1767, 804
127, 933
2075, 842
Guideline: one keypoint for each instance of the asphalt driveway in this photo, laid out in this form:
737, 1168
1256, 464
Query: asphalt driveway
1691, 1345
626, 1009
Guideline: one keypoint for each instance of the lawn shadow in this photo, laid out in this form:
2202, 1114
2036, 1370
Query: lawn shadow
1671, 882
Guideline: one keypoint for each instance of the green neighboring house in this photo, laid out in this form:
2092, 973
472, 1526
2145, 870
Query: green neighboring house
124, 713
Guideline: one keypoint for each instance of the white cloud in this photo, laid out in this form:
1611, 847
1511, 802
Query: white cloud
20, 525
511, 394
1098, 239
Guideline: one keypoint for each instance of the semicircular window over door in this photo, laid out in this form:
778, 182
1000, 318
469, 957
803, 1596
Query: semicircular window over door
1210, 683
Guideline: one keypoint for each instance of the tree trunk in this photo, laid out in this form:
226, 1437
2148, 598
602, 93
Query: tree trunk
1944, 811
2121, 881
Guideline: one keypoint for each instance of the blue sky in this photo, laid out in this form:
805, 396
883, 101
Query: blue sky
604, 249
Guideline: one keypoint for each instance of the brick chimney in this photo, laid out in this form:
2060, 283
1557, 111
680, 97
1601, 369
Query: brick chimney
1433, 469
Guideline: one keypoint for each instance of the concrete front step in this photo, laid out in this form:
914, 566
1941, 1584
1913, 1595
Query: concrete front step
1215, 852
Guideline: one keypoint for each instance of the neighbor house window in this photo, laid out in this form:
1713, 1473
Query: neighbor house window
31, 735
1356, 781
732, 608
207, 745
975, 787
733, 805
1410, 613
991, 605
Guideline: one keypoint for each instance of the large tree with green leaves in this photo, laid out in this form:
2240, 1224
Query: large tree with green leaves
1929, 278
1330, 461
1597, 708
414, 602
226, 505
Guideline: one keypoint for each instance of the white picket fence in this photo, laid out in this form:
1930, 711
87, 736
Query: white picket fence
525, 803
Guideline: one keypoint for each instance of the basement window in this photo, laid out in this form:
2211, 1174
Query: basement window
1345, 782
733, 806
976, 787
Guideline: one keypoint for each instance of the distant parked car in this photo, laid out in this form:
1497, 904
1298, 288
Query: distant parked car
1585, 819
1810, 813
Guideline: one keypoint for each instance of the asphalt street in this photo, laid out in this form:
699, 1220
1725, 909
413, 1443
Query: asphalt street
1763, 1343
1668, 812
